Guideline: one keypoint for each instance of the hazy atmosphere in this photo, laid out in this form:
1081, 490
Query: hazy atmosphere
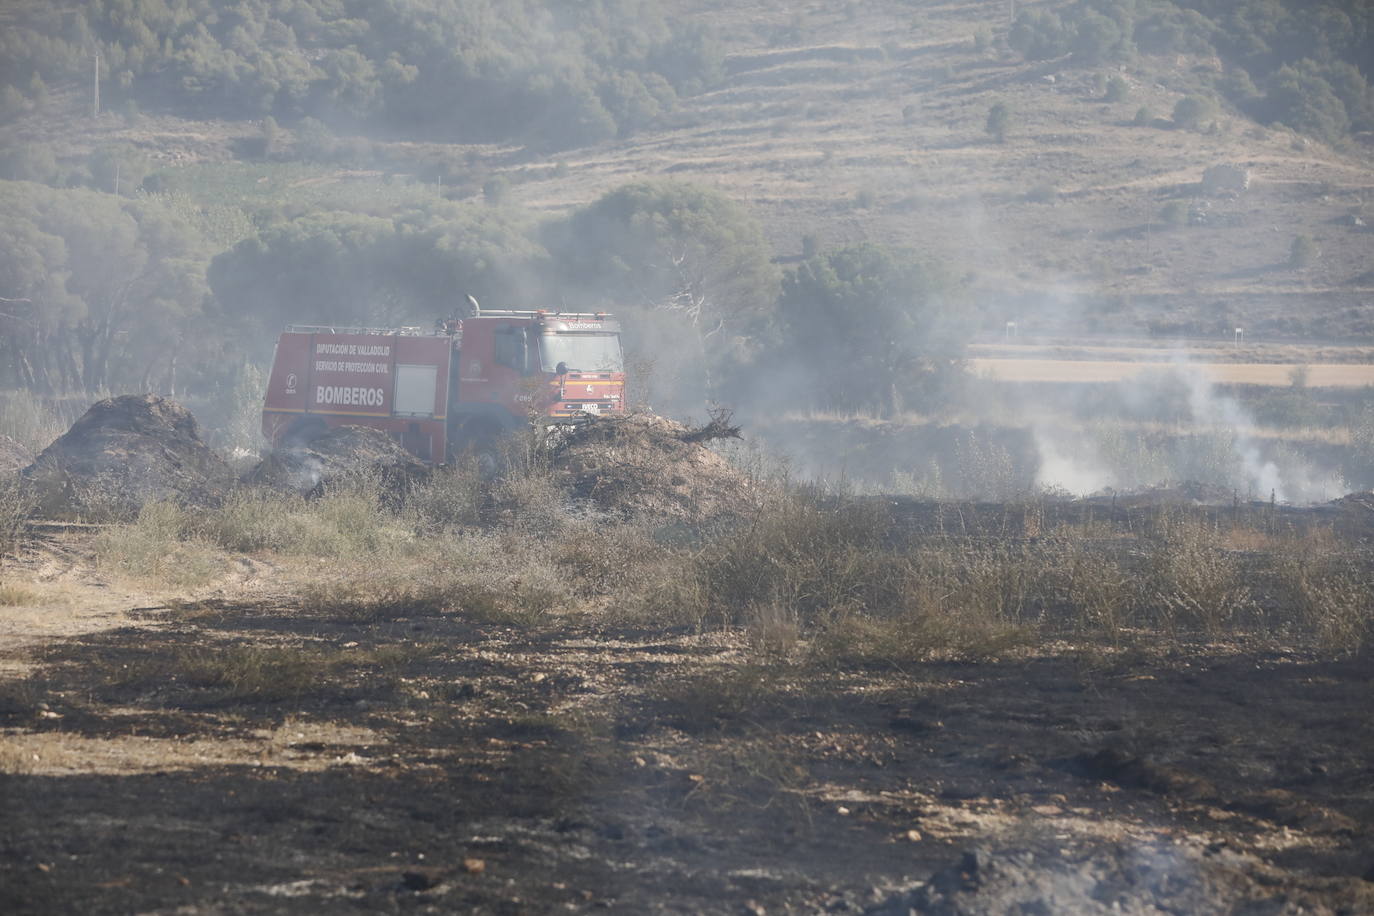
747, 457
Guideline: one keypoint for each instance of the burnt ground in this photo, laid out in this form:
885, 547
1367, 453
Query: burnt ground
259, 758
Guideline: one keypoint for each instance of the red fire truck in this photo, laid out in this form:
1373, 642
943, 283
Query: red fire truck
458, 387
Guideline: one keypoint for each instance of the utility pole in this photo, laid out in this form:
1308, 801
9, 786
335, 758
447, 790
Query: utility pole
95, 93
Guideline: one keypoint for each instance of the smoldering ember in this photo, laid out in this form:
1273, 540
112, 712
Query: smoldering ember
664, 456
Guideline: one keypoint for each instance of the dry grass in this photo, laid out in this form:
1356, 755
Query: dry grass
16, 594
812, 576
159, 548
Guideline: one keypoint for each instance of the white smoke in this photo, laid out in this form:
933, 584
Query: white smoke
1258, 476
1215, 443
1075, 468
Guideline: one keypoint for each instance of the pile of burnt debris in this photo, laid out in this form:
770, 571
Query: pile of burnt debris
127, 451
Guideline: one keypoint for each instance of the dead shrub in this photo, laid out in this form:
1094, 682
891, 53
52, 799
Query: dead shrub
12, 594
240, 674
373, 600
815, 553
250, 673
753, 777
939, 619
600, 556
1191, 581
721, 700
252, 520
1091, 587
350, 521
773, 632
159, 546
16, 508
450, 499
19, 700
516, 601
528, 499
1322, 593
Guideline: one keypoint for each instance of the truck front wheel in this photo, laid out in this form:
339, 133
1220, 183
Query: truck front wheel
481, 445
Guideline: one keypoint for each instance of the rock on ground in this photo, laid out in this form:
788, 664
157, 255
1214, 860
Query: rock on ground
342, 451
13, 456
642, 464
125, 452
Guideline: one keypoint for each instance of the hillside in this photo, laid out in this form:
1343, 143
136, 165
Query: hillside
866, 121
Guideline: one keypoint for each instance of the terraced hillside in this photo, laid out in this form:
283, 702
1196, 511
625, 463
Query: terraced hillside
871, 125
838, 123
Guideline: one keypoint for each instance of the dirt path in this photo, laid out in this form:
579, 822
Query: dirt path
67, 595
253, 757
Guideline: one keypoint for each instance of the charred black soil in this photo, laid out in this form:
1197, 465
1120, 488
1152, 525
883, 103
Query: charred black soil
432, 762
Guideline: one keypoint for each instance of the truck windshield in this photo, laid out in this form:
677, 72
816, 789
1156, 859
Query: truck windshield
581, 352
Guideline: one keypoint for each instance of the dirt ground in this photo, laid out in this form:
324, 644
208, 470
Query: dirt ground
245, 753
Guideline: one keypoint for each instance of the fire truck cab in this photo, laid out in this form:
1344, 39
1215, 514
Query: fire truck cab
458, 387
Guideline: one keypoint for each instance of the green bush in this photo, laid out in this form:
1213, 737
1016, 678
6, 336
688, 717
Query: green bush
1174, 214
1118, 90
1194, 111
1303, 252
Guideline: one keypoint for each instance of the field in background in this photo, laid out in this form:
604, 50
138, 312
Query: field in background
1017, 369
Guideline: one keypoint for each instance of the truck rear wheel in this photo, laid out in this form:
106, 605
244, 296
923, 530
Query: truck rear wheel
303, 432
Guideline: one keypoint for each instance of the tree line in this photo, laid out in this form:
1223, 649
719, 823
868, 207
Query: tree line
1300, 63
541, 72
101, 292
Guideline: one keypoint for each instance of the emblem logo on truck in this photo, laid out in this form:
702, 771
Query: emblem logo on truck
291, 383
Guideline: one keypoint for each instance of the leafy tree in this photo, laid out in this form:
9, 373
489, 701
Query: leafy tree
1303, 252
693, 262
1192, 111
102, 292
1040, 35
1311, 55
1300, 98
999, 121
339, 268
29, 162
12, 103
315, 141
545, 72
874, 327
1174, 214
118, 169
1095, 38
